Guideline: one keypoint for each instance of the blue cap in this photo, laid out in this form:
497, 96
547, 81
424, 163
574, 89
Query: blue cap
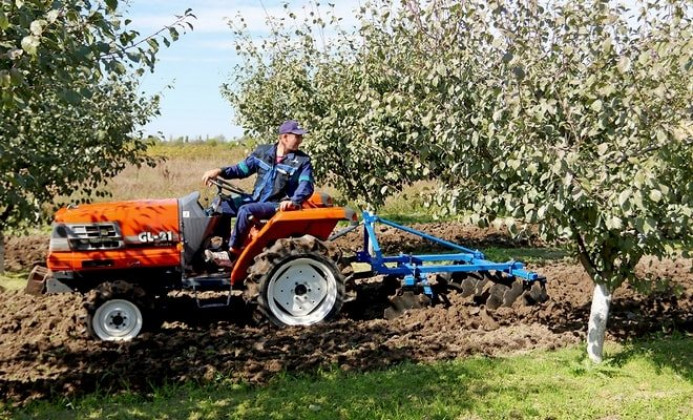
291, 127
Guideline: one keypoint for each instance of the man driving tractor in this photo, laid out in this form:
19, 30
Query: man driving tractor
284, 181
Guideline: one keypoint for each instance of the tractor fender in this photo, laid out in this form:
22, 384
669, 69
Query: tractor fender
317, 222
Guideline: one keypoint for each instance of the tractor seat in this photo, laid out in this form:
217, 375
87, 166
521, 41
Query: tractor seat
319, 199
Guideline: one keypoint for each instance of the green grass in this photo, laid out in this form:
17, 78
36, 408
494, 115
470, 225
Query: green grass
527, 255
13, 281
417, 215
645, 380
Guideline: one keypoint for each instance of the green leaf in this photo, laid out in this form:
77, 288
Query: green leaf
36, 27
615, 222
134, 56
519, 72
648, 225
70, 96
5, 78
596, 105
30, 44
53, 15
637, 199
655, 195
4, 22
153, 44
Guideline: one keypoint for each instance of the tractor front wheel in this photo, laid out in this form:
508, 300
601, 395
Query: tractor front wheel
115, 311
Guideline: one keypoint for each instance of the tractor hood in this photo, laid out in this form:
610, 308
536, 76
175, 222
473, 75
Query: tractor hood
134, 222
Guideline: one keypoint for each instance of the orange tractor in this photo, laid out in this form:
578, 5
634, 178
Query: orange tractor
127, 255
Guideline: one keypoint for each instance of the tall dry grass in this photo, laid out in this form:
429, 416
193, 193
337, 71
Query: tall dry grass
180, 167
178, 171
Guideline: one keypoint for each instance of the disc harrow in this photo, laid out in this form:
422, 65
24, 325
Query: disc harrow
427, 278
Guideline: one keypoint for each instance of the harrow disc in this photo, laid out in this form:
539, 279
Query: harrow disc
493, 289
404, 301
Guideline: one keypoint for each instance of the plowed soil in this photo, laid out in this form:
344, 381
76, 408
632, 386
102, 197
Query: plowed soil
45, 352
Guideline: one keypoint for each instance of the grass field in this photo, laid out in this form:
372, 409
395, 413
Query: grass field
643, 380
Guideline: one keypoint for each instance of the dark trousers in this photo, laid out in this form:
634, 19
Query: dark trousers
259, 211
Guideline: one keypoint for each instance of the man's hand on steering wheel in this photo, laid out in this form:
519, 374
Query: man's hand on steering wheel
208, 176
212, 178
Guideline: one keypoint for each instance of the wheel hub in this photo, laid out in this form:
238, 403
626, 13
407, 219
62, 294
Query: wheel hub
117, 319
300, 289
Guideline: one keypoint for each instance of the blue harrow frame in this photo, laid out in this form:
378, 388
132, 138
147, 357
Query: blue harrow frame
414, 269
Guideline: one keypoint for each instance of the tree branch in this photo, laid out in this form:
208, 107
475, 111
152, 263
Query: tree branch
5, 215
583, 254
647, 150
178, 22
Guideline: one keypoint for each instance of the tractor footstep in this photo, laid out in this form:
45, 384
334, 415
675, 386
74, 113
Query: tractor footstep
407, 300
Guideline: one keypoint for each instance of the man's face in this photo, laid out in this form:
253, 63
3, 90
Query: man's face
291, 142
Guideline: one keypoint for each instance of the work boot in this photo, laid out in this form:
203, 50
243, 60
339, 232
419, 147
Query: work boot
221, 258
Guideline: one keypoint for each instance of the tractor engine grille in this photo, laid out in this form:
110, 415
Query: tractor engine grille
87, 237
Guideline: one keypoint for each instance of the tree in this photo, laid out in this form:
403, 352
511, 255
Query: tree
69, 99
575, 117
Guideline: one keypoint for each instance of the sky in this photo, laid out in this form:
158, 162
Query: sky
202, 60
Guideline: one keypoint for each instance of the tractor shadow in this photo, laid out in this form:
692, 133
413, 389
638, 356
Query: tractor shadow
211, 308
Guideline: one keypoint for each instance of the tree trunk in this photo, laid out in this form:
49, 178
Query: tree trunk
599, 314
2, 252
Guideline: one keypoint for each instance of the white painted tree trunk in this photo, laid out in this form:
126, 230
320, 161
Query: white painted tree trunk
599, 314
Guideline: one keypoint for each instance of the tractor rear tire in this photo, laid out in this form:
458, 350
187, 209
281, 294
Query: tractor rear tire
119, 311
298, 282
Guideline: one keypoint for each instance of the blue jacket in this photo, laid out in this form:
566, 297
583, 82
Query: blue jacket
292, 178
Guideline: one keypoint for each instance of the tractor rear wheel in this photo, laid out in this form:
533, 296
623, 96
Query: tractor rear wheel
298, 282
118, 311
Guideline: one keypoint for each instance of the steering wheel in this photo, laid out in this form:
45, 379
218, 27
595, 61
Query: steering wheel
226, 186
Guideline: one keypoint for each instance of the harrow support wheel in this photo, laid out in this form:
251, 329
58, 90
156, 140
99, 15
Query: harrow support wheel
298, 282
